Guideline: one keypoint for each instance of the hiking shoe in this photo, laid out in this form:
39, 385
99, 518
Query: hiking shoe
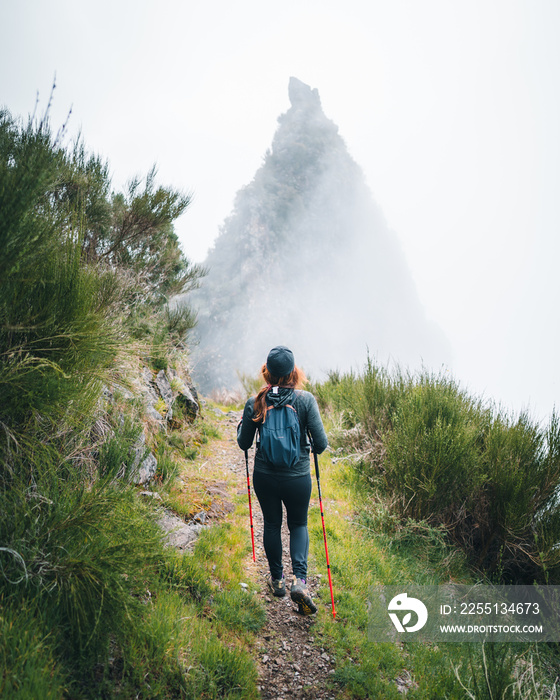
277, 586
299, 593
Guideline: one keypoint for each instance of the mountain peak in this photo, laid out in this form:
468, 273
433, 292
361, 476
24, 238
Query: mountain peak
302, 96
306, 260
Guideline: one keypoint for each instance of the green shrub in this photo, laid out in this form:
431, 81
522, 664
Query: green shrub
78, 549
519, 517
432, 452
58, 334
446, 459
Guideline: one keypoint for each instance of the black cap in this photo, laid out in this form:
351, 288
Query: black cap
280, 361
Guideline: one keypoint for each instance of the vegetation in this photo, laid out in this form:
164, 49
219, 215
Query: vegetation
488, 480
417, 467
92, 604
425, 484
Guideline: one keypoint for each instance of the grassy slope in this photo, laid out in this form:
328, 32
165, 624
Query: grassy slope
367, 546
144, 620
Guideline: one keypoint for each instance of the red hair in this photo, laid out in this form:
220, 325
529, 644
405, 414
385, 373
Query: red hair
295, 380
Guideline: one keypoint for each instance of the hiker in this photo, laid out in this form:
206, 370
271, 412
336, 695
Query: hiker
276, 482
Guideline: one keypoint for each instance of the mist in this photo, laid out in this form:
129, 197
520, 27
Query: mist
307, 260
450, 109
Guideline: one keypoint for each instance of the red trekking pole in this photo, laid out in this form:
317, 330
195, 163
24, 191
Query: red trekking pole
250, 507
323, 521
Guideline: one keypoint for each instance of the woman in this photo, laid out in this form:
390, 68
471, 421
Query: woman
277, 485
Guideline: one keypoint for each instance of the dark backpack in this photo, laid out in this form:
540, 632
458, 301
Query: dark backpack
280, 436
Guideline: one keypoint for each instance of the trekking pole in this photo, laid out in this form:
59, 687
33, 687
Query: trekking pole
250, 508
323, 521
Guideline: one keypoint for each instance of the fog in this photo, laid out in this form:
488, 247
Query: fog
451, 110
306, 259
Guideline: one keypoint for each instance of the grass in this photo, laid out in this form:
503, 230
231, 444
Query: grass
101, 609
370, 543
440, 456
26, 650
92, 604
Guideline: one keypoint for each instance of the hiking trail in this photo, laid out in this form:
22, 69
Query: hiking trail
291, 662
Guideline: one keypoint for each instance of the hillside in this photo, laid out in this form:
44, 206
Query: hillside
306, 259
125, 547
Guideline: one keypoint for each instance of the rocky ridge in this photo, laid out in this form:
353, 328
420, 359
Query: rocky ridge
306, 259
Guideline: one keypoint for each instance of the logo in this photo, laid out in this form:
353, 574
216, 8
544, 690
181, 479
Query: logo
404, 603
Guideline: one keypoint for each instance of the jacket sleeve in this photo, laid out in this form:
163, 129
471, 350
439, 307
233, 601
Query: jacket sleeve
247, 427
315, 425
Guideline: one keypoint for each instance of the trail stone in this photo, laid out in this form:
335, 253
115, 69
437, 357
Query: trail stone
178, 533
151, 494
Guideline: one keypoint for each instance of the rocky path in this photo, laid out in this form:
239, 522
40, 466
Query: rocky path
292, 663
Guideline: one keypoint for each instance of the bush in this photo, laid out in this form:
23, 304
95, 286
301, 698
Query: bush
490, 480
58, 336
78, 549
432, 453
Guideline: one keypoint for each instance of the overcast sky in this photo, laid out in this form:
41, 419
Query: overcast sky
451, 108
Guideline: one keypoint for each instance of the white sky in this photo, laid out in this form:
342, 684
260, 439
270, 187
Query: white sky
451, 108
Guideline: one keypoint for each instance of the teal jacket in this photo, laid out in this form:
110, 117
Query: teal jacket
309, 421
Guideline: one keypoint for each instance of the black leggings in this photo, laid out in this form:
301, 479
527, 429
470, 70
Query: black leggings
294, 492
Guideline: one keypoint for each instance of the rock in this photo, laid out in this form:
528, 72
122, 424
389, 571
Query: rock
139, 449
145, 471
144, 465
150, 393
151, 494
152, 413
178, 533
166, 392
302, 96
187, 403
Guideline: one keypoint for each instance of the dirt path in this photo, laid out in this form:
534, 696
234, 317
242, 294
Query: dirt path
291, 661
